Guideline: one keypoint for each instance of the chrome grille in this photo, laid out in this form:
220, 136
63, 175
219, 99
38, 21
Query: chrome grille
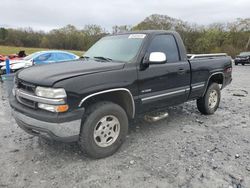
26, 102
27, 87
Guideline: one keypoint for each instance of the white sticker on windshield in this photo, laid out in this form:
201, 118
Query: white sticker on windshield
137, 36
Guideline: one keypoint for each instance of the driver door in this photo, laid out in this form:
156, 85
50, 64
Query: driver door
167, 83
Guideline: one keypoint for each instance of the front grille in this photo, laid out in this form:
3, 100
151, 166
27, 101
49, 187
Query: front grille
29, 88
25, 86
27, 102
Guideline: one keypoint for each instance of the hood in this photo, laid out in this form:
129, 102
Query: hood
49, 74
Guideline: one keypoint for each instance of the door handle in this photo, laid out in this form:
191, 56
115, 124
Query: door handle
181, 71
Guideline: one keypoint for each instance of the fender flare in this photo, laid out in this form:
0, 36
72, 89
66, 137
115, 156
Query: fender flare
215, 73
109, 91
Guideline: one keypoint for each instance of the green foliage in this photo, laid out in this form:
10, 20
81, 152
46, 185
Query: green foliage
161, 22
121, 28
3, 34
230, 37
92, 33
68, 37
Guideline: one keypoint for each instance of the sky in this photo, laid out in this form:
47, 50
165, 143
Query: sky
50, 14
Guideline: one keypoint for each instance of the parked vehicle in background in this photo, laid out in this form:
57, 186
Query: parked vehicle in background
37, 58
123, 76
20, 55
199, 56
2, 58
243, 58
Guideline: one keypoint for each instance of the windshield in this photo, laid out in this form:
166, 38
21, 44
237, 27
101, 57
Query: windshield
31, 56
245, 53
118, 48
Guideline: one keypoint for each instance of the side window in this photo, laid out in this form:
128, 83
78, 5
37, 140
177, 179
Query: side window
64, 56
166, 44
43, 57
58, 56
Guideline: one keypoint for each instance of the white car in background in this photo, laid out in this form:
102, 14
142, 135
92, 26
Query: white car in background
37, 58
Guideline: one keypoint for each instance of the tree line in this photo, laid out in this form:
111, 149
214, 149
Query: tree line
231, 38
68, 37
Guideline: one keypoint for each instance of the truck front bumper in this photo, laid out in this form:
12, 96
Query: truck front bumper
60, 127
66, 132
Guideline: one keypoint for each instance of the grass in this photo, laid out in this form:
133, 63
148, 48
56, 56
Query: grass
5, 50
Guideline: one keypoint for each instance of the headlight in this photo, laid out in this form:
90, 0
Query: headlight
53, 93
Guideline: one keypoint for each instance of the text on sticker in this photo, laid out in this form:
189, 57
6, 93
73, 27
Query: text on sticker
137, 36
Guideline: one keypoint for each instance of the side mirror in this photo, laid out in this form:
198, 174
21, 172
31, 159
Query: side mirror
155, 58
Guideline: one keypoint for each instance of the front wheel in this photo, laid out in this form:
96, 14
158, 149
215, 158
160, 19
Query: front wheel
104, 129
243, 64
209, 103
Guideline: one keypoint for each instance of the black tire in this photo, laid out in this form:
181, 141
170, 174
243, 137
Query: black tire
203, 102
91, 119
236, 63
243, 64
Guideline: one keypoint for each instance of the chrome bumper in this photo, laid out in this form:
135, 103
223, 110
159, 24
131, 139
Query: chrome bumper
68, 131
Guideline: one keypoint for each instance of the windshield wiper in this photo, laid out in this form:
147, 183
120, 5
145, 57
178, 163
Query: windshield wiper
103, 58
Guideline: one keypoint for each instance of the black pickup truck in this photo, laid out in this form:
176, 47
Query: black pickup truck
92, 100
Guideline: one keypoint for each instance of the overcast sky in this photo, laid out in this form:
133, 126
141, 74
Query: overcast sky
50, 14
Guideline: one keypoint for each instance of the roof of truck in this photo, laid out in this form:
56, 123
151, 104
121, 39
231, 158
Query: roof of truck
148, 32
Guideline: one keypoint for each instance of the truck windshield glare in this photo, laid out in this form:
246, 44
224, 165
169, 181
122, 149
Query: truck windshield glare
118, 48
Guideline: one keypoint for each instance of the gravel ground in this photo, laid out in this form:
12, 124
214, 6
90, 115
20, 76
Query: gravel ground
186, 150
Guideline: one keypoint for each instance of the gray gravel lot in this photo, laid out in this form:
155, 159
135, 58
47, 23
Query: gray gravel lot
186, 150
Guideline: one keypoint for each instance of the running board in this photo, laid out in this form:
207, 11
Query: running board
155, 116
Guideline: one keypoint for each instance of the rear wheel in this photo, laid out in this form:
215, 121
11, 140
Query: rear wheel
104, 129
236, 63
243, 63
209, 103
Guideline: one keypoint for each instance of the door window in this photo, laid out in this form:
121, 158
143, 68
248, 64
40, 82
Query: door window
167, 45
44, 57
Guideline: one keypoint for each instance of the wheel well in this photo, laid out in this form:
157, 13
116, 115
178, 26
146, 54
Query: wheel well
120, 97
216, 78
